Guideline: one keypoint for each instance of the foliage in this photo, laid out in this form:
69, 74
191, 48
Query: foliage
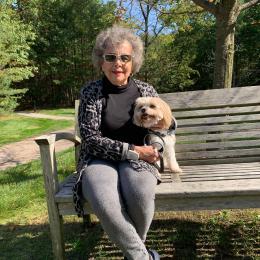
179, 36
167, 65
182, 58
247, 56
65, 33
16, 39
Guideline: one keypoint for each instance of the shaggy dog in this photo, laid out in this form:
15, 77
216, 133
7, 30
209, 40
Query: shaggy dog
148, 112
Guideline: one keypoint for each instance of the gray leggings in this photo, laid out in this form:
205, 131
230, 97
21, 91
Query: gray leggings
123, 200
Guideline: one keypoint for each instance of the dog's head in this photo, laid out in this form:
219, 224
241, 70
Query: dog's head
150, 110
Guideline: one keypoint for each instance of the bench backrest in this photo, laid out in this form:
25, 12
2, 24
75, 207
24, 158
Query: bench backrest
215, 126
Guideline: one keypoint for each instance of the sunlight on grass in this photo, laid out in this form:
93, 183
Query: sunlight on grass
58, 111
22, 189
16, 128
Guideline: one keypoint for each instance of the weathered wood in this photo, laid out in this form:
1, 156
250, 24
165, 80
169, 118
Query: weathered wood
216, 128
51, 188
218, 145
217, 112
213, 98
218, 148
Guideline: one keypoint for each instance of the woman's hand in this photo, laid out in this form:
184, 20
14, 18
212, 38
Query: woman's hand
147, 153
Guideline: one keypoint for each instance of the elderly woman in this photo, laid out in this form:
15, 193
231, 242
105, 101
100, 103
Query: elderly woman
116, 172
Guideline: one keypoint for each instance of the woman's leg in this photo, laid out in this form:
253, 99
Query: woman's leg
138, 191
100, 187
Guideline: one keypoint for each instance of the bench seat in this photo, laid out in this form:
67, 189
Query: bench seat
199, 187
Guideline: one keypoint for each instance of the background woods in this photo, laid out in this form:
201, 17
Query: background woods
45, 46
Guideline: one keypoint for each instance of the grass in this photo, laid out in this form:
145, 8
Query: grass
16, 128
24, 232
22, 190
58, 111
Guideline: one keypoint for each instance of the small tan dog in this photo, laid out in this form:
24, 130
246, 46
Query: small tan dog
148, 112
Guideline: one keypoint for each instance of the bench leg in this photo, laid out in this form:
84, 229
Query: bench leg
56, 228
51, 187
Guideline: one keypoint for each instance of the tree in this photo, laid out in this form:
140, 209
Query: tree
226, 13
65, 34
15, 42
144, 17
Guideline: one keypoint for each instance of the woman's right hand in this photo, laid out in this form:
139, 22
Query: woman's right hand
147, 153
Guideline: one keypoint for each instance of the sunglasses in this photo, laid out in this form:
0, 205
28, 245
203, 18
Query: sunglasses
113, 58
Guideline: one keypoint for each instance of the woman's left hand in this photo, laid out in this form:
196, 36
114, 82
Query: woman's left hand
147, 153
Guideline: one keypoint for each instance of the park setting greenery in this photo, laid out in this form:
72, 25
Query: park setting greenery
45, 46
15, 128
45, 58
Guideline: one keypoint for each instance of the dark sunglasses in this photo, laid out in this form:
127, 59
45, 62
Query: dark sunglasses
113, 58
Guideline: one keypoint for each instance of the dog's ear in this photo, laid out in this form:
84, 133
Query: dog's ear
137, 101
167, 114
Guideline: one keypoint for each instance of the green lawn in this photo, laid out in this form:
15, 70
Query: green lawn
16, 128
58, 111
24, 232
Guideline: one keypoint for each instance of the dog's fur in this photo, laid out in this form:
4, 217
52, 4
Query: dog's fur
147, 113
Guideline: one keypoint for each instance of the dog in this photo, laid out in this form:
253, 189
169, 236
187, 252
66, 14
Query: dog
148, 112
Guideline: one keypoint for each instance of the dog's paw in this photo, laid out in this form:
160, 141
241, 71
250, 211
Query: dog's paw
176, 169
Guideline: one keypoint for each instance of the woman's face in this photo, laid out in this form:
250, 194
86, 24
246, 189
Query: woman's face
118, 71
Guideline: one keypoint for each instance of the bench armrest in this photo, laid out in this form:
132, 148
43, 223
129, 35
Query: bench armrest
48, 159
54, 137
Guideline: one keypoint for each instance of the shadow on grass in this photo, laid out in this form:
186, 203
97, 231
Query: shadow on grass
20, 173
173, 238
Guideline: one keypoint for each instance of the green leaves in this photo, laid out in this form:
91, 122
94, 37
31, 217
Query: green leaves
15, 41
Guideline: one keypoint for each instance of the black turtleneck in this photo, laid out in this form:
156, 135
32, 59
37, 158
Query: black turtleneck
118, 106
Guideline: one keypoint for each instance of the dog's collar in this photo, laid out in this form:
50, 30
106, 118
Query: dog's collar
163, 133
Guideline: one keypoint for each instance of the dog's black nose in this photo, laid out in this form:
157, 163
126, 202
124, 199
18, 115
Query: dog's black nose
143, 110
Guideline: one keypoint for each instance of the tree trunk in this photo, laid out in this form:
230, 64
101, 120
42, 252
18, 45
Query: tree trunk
224, 55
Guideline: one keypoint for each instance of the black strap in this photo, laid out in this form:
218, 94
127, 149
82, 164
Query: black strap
161, 167
160, 151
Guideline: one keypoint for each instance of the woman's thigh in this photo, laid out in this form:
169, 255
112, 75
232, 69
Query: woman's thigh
100, 184
136, 185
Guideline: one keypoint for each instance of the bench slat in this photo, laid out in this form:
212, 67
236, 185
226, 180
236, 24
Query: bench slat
213, 98
218, 161
219, 154
217, 112
219, 120
216, 145
238, 135
221, 127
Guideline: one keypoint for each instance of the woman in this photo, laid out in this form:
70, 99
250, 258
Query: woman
117, 176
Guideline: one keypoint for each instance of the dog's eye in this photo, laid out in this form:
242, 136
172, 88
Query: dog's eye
152, 106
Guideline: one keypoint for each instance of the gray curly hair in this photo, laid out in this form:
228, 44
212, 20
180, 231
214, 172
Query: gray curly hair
116, 35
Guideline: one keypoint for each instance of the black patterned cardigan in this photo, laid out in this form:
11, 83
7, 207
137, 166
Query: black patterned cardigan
92, 141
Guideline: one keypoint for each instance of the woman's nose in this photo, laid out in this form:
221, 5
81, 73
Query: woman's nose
118, 61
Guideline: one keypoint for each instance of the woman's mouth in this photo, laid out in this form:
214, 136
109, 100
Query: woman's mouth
117, 72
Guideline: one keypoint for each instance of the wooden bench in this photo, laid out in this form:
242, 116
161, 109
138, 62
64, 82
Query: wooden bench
218, 148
